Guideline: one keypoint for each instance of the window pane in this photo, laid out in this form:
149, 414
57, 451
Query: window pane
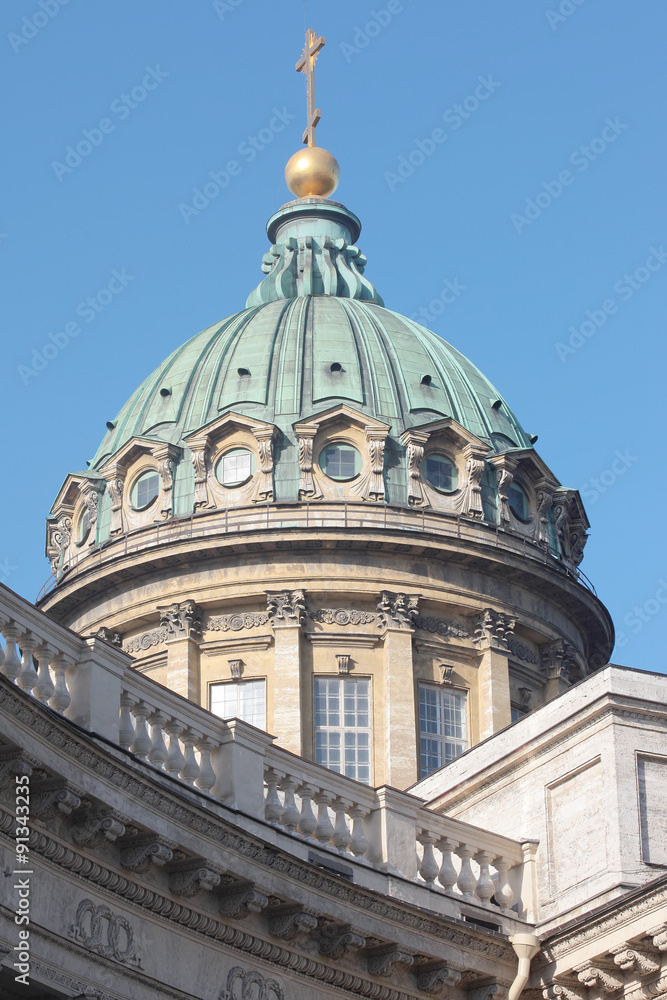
442, 726
348, 730
245, 700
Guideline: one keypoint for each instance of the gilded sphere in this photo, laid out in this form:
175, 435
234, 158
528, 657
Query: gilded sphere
312, 173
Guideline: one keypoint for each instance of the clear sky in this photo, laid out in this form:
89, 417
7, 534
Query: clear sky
540, 199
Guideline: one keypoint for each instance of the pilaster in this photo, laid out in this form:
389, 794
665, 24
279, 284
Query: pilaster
397, 613
492, 633
286, 609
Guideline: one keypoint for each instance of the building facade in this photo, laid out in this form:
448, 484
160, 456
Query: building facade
313, 705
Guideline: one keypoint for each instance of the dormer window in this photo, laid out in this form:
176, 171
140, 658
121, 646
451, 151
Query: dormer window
145, 489
340, 461
83, 527
441, 473
235, 467
518, 501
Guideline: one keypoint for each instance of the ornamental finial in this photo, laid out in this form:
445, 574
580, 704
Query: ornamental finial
313, 172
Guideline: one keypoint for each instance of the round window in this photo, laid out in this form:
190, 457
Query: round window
518, 501
83, 527
441, 473
235, 467
145, 490
340, 461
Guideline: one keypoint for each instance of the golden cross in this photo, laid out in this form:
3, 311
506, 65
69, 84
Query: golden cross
306, 65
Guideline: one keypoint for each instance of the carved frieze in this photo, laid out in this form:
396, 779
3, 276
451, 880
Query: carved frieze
182, 621
558, 659
397, 610
308, 486
370, 485
286, 607
470, 501
106, 933
264, 479
414, 442
382, 961
437, 981
343, 616
334, 941
520, 651
242, 985
190, 877
145, 641
493, 630
441, 627
236, 622
58, 541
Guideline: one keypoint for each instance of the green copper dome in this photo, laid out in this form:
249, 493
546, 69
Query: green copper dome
279, 362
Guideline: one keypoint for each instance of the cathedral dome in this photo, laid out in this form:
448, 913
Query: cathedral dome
315, 334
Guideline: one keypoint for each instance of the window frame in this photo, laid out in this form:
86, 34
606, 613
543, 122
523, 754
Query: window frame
518, 484
343, 729
442, 690
237, 685
447, 458
146, 471
340, 443
237, 449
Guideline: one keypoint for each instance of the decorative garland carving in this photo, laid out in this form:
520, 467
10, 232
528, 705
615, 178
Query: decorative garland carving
343, 616
106, 933
441, 627
253, 984
236, 622
145, 641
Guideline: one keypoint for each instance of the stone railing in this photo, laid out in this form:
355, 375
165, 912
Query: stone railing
321, 516
303, 804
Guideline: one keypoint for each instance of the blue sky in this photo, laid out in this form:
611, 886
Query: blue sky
539, 198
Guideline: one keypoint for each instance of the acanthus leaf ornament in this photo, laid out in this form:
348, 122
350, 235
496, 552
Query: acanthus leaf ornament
470, 501
397, 610
308, 486
493, 630
286, 607
414, 442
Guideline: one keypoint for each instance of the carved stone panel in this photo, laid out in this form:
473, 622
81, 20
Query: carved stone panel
106, 933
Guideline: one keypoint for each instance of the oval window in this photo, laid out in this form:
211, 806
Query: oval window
145, 490
518, 501
340, 461
83, 527
441, 472
235, 467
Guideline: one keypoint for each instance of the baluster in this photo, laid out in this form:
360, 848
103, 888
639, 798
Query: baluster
324, 829
11, 666
341, 834
307, 821
466, 882
504, 893
126, 726
27, 678
141, 743
429, 866
273, 807
207, 777
175, 758
61, 699
448, 875
358, 842
290, 815
485, 887
157, 754
190, 770
44, 688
